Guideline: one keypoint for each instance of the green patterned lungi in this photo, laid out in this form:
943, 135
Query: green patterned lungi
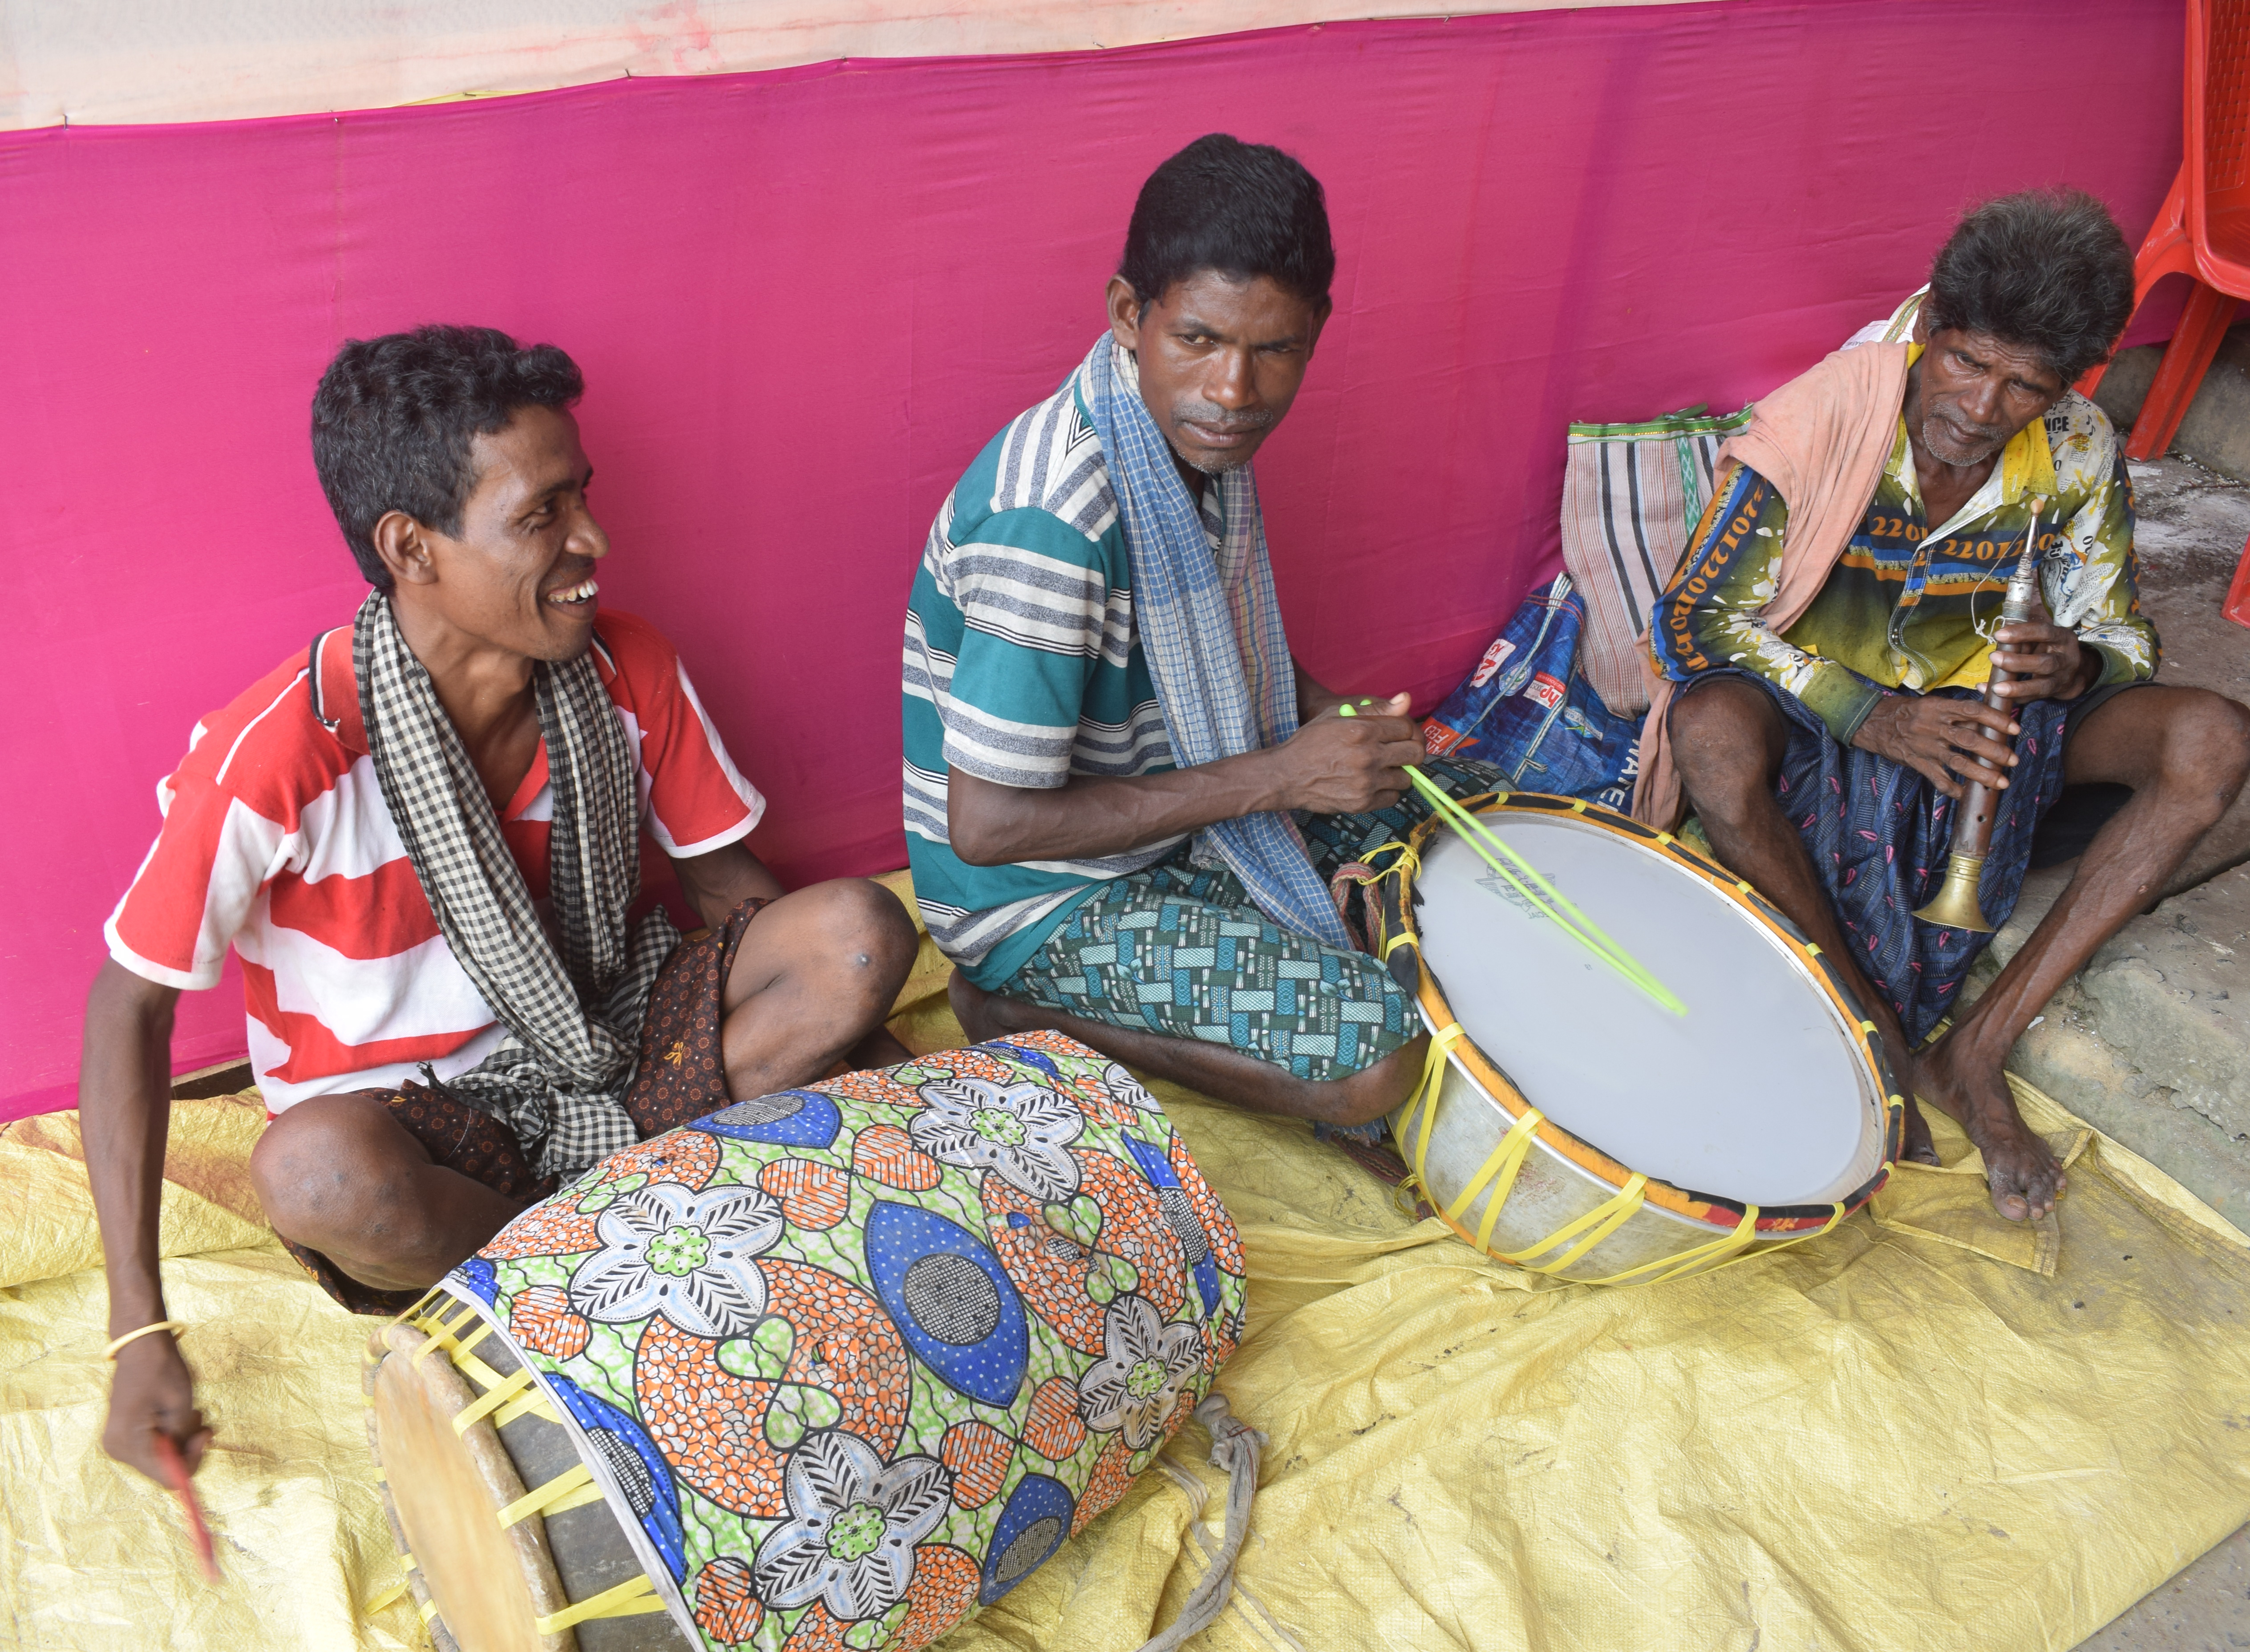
1180, 949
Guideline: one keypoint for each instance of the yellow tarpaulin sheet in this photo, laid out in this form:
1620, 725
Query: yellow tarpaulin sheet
1927, 1430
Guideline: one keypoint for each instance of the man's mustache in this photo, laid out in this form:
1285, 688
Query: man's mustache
1977, 436
1210, 416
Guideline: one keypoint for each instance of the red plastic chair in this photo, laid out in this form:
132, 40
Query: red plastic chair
2203, 232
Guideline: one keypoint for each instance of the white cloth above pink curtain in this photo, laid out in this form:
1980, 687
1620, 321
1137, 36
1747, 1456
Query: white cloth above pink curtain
133, 62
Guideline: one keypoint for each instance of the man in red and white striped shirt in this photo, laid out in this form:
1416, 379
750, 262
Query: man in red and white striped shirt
456, 474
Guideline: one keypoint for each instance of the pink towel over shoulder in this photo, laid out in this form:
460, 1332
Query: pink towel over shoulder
1821, 439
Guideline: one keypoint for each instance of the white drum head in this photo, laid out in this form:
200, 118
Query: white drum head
1761, 1093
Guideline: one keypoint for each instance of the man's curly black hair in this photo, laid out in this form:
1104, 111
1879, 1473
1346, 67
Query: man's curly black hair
394, 417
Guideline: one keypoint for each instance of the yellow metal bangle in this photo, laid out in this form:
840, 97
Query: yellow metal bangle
110, 1352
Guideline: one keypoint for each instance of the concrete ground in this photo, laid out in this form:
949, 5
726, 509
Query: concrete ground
2151, 1042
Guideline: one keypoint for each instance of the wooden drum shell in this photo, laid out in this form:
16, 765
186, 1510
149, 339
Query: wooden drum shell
482, 1587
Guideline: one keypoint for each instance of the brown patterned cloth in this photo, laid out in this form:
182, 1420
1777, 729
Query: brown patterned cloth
679, 1076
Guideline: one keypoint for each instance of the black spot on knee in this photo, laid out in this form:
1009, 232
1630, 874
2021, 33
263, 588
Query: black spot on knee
876, 934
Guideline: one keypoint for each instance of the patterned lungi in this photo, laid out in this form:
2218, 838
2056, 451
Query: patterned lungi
1181, 951
679, 1076
1879, 834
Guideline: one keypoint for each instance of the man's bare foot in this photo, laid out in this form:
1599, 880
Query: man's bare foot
1967, 1083
1914, 1145
879, 1048
983, 1015
1916, 1148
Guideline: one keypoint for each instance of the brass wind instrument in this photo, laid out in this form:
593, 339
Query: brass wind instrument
1955, 905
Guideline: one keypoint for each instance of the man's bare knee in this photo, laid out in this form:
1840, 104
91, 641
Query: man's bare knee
1725, 744
871, 942
2206, 753
332, 1169
1375, 1092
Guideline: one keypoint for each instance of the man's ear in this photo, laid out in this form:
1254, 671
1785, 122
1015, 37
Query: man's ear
1321, 311
402, 544
1922, 322
1124, 313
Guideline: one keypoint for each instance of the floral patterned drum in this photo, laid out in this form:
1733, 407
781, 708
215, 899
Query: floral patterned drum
829, 1369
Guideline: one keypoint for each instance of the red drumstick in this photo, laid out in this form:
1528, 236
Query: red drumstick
175, 1469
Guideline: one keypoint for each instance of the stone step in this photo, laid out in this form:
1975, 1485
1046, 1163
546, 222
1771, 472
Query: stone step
2215, 431
2191, 531
2151, 1043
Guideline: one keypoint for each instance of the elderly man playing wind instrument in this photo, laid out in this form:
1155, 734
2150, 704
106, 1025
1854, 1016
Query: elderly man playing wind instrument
1820, 651
1108, 742
421, 834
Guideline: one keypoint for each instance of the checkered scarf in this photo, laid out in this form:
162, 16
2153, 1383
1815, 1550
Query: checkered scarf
559, 1077
1210, 628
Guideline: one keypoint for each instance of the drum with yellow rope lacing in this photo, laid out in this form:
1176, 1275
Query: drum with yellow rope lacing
1569, 1123
827, 1370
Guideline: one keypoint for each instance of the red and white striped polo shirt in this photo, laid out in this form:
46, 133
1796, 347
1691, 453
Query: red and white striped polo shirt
277, 839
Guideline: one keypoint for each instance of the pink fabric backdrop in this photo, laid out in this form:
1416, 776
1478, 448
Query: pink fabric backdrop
804, 298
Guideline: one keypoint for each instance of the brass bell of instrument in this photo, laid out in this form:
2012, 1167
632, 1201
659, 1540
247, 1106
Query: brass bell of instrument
1955, 904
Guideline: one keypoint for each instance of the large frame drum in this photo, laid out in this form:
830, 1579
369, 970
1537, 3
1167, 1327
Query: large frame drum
1567, 1123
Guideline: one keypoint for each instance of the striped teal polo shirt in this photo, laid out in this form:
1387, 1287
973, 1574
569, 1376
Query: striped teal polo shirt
1023, 667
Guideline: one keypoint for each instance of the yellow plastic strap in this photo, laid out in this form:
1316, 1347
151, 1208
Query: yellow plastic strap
476, 1370
566, 1490
1503, 1162
1604, 1219
1404, 937
388, 1596
1529, 1125
1835, 1215
524, 1405
420, 1302
461, 1348
624, 1602
492, 1400
428, 1610
1433, 1077
1405, 857
1688, 1260
442, 1336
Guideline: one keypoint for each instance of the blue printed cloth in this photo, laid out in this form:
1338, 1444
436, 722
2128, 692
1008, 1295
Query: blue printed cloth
1879, 834
1529, 711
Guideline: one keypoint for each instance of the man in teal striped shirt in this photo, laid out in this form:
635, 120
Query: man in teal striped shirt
1053, 839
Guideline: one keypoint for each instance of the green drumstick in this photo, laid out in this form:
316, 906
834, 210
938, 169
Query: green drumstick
1543, 894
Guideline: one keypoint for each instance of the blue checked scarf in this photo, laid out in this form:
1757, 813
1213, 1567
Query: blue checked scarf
1210, 628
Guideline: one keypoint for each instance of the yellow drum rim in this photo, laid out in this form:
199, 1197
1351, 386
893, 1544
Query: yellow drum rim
1395, 940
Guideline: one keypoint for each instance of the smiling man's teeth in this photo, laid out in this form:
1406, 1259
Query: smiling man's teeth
579, 592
